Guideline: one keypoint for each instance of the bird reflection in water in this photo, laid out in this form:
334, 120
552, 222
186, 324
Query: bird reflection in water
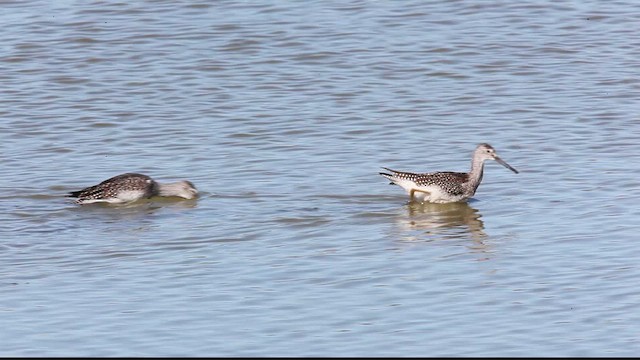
443, 221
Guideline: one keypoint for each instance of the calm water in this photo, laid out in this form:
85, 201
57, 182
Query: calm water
282, 114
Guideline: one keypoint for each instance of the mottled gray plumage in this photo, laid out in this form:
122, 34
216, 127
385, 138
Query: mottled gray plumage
451, 182
446, 186
131, 187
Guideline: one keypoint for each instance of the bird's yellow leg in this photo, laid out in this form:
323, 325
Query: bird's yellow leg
413, 191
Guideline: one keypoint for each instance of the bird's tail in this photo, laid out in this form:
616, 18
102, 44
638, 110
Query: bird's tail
74, 194
391, 176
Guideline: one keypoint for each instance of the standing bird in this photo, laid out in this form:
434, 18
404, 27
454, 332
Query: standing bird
131, 187
446, 186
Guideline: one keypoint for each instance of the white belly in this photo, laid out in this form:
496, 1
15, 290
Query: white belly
432, 194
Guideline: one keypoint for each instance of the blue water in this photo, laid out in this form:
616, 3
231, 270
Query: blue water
282, 114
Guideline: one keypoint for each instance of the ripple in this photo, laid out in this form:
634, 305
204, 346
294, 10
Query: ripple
282, 116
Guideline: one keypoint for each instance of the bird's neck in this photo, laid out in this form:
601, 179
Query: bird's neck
169, 189
475, 175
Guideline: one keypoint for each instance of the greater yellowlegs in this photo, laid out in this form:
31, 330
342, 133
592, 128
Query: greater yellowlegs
446, 186
131, 187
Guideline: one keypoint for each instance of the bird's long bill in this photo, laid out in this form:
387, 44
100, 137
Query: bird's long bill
504, 163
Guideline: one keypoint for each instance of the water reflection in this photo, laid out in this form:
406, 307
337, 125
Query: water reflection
136, 213
426, 222
153, 203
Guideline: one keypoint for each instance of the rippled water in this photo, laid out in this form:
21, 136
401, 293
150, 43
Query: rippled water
282, 114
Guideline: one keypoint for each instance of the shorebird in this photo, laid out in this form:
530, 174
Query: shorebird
130, 187
446, 186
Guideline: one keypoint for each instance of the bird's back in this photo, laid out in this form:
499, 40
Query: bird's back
450, 182
120, 188
444, 186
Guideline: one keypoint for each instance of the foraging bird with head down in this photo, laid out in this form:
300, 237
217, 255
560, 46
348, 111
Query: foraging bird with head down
446, 186
130, 187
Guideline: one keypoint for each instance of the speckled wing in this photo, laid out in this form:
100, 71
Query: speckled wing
451, 182
111, 187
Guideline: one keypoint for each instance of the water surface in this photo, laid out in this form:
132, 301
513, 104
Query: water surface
282, 114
